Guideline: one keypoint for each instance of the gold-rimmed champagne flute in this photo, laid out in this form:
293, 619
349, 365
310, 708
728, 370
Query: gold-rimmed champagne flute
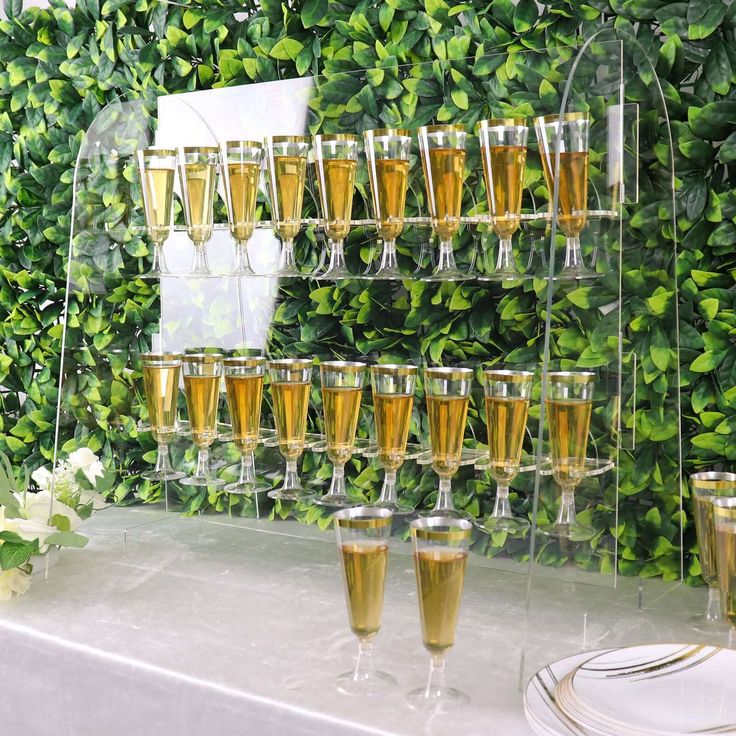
503, 152
447, 391
569, 405
286, 163
393, 399
570, 132
336, 161
161, 386
724, 520
156, 167
244, 388
202, 378
440, 556
198, 176
705, 488
442, 149
342, 390
291, 381
241, 172
363, 535
507, 395
387, 154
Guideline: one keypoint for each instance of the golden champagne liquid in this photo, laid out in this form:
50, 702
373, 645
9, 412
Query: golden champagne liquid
393, 417
704, 526
445, 178
289, 174
342, 410
569, 422
159, 184
244, 395
440, 574
389, 195
200, 180
506, 420
161, 385
337, 197
506, 176
726, 545
364, 565
243, 192
202, 394
573, 194
290, 404
446, 429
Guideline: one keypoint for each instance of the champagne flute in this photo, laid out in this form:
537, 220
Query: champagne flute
244, 387
291, 380
440, 556
571, 130
442, 148
363, 534
342, 388
503, 151
202, 378
706, 488
161, 386
156, 167
569, 405
241, 172
393, 397
507, 396
198, 176
286, 161
448, 395
724, 520
336, 159
387, 153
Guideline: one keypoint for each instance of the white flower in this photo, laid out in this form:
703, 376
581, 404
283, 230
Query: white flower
96, 499
43, 478
85, 460
13, 581
37, 507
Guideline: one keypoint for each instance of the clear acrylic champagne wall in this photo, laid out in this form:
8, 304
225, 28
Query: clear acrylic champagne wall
536, 257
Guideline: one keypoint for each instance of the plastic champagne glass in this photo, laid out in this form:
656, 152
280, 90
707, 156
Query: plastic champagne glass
724, 520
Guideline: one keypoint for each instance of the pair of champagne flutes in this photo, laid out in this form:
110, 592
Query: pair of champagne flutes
714, 502
440, 551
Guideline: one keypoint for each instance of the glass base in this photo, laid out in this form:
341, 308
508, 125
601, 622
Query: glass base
504, 276
398, 508
388, 274
446, 274
288, 271
370, 683
159, 475
339, 272
337, 500
202, 480
290, 494
247, 489
448, 698
447, 513
708, 624
155, 273
510, 525
574, 532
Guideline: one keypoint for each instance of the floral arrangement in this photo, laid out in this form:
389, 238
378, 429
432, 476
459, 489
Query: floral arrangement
31, 524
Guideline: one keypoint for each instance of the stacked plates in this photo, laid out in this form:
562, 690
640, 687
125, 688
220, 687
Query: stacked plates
653, 690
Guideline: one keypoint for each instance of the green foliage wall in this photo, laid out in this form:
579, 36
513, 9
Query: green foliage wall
59, 67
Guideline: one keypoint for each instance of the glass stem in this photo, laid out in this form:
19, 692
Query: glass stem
337, 487
505, 260
446, 260
203, 463
436, 683
713, 611
242, 262
566, 514
247, 469
287, 260
388, 491
444, 496
337, 255
163, 463
291, 477
573, 254
364, 667
502, 507
199, 262
159, 262
388, 257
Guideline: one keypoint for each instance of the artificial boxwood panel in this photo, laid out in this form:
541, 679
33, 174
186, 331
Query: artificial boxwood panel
59, 67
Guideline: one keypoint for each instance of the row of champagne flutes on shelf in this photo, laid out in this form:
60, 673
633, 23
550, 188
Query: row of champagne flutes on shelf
503, 147
447, 391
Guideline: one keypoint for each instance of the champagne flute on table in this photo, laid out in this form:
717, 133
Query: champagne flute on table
202, 378
198, 176
161, 385
569, 405
342, 389
387, 153
336, 160
241, 173
286, 162
291, 381
244, 387
440, 556
156, 167
503, 152
448, 395
393, 398
507, 395
570, 131
724, 520
442, 149
706, 487
363, 535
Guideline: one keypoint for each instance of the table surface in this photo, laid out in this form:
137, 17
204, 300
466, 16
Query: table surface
221, 627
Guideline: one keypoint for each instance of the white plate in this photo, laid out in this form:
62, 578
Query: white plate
657, 689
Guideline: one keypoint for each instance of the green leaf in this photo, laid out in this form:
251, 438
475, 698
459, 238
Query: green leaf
66, 539
14, 554
313, 11
525, 15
